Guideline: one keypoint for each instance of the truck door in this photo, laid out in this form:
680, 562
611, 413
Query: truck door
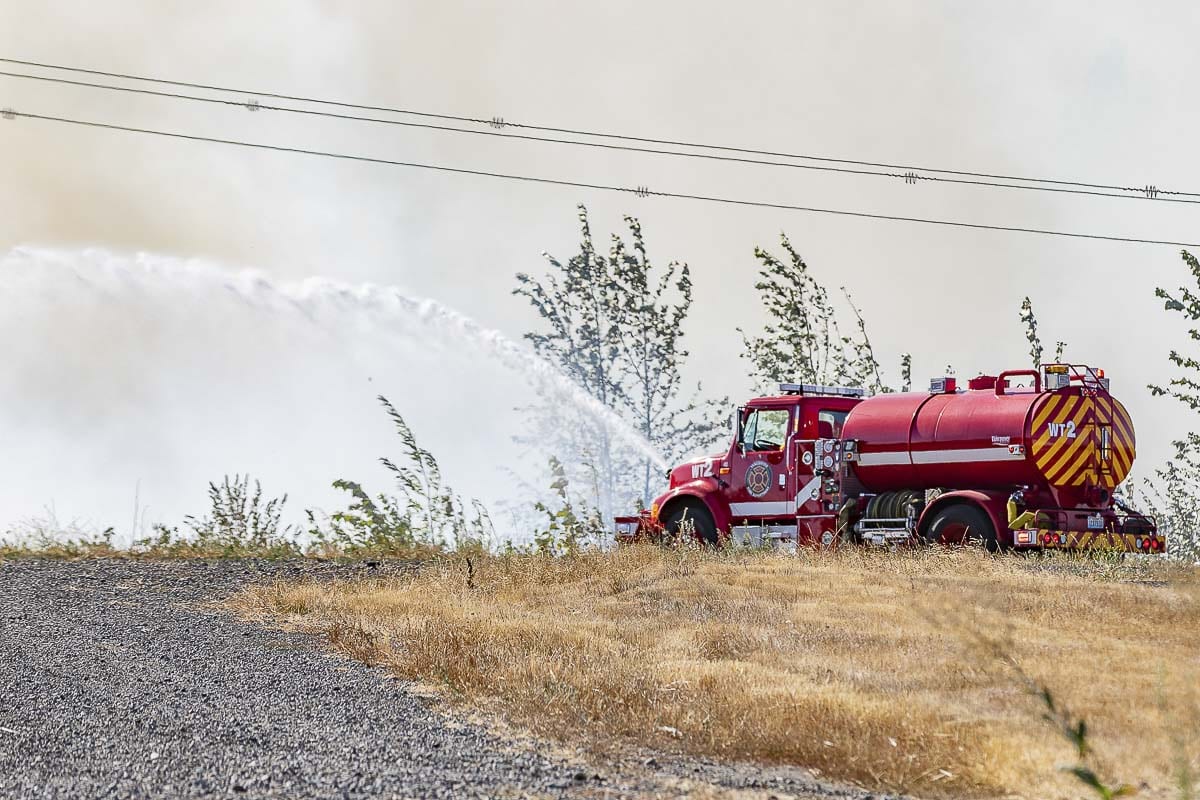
760, 487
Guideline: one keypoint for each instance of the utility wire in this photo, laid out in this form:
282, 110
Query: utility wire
909, 172
640, 191
910, 177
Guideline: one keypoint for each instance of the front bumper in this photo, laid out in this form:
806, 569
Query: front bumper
630, 529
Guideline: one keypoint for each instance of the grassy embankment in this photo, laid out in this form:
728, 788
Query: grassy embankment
881, 668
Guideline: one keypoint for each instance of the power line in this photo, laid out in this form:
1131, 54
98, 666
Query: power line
254, 105
640, 191
909, 172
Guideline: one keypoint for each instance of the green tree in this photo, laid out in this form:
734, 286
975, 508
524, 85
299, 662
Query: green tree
1185, 386
906, 372
579, 305
614, 323
1036, 351
651, 317
579, 302
1174, 497
802, 339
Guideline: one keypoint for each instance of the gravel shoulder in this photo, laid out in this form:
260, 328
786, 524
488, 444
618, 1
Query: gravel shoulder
119, 679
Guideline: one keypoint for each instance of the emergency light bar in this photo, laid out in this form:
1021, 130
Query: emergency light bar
812, 388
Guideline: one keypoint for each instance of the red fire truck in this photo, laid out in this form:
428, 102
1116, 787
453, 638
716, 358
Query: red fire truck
1026, 459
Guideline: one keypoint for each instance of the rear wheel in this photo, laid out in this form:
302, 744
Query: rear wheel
692, 520
962, 524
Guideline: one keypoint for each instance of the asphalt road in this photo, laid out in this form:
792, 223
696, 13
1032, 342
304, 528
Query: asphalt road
118, 679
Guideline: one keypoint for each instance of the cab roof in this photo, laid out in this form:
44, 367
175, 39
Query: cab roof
780, 400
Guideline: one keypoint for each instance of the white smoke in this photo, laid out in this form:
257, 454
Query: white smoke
61, 390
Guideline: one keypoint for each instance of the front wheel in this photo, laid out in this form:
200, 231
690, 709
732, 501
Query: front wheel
962, 524
693, 520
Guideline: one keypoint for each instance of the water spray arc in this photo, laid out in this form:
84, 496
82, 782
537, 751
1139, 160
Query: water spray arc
314, 299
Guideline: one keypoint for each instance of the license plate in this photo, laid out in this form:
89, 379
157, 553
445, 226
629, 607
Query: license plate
1096, 523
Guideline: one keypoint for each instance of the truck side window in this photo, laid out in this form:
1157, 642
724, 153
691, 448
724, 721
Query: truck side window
829, 424
765, 429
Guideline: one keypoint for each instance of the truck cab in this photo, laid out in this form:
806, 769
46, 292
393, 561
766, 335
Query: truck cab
767, 486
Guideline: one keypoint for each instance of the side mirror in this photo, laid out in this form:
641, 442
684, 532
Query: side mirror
739, 418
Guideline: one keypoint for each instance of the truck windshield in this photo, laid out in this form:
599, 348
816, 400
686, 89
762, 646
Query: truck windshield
765, 429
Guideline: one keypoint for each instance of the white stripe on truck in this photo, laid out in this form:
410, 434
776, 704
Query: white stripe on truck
965, 456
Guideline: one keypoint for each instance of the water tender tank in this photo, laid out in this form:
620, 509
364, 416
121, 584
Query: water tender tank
993, 438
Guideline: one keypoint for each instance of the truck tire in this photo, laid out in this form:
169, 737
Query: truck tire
964, 524
704, 529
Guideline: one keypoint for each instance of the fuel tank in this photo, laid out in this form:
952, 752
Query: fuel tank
1076, 442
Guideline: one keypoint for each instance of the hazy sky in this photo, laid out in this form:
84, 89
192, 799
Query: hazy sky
1088, 91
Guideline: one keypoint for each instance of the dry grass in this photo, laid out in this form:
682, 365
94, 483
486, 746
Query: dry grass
871, 667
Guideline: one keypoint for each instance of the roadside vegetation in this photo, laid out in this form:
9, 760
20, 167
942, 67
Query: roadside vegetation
926, 672
240, 523
933, 672
421, 517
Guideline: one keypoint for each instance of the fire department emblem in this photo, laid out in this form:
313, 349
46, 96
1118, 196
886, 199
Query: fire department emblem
758, 478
